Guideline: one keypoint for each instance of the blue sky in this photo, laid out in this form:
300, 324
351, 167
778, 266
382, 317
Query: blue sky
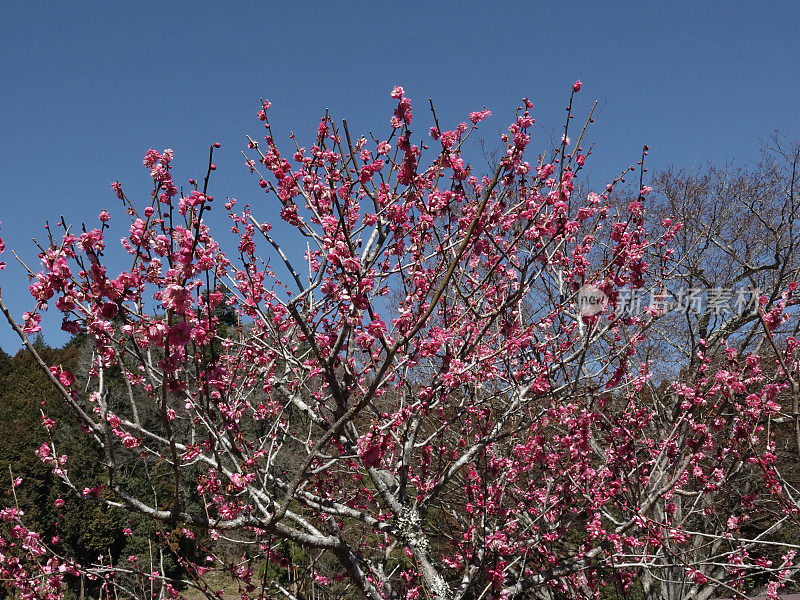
87, 87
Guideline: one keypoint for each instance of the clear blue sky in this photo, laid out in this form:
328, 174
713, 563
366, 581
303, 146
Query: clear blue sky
87, 87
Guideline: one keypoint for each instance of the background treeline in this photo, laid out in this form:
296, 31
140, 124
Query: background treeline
85, 530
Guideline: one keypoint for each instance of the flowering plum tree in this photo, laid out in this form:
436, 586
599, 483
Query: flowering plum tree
418, 406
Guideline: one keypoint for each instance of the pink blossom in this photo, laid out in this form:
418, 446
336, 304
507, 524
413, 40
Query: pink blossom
32, 321
477, 117
10, 514
176, 297
93, 492
43, 451
370, 448
66, 378
117, 187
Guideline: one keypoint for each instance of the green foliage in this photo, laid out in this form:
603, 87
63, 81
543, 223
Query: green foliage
85, 529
